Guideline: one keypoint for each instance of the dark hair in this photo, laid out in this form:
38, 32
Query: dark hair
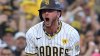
2, 29
97, 33
6, 48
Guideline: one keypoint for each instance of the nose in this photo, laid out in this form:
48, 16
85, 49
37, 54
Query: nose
46, 12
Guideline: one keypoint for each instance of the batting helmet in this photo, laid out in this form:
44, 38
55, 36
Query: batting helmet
49, 4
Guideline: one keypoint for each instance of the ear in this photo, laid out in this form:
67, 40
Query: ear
58, 14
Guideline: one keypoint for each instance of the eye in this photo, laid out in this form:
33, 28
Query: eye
47, 10
50, 10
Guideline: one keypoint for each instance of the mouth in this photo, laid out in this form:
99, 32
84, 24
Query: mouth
46, 19
47, 22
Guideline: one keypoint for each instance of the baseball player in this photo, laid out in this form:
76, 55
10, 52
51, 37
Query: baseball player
52, 37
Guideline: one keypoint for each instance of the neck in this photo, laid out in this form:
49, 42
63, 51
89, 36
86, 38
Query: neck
53, 28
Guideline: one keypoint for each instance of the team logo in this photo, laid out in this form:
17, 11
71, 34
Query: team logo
64, 41
46, 2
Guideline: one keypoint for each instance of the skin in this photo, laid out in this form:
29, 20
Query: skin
51, 19
6, 52
20, 43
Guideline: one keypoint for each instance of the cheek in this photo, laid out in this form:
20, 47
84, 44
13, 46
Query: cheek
54, 16
20, 42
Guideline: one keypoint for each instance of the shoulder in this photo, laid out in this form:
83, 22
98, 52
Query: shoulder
35, 27
69, 29
32, 31
71, 32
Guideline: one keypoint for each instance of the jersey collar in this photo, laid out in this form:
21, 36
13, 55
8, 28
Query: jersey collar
58, 29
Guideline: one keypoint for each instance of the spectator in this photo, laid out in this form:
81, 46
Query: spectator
89, 46
20, 42
6, 52
8, 38
97, 39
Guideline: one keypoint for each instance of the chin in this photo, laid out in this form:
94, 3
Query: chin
47, 26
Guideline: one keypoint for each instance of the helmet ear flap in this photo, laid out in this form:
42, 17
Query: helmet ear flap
60, 13
40, 15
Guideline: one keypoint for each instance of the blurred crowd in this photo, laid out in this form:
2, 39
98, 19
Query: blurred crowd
17, 16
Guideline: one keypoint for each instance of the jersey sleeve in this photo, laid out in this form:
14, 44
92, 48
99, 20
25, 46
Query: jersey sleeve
75, 40
30, 40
